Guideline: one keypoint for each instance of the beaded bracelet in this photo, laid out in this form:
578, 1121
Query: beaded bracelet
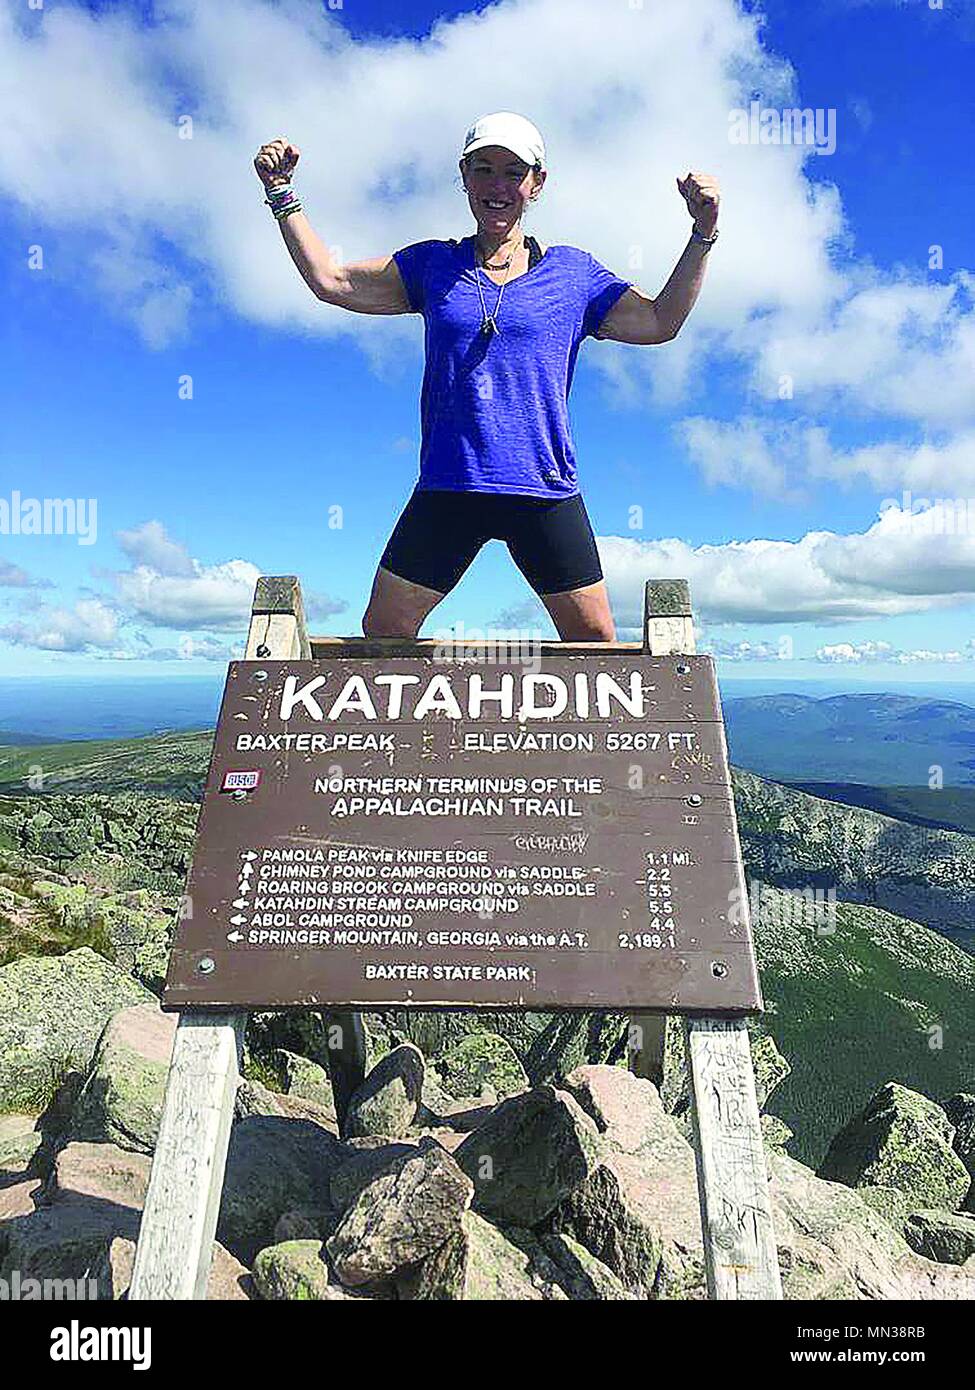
283, 200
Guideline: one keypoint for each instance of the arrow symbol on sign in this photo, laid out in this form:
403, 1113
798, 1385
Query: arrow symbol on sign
248, 854
238, 921
235, 936
239, 902
247, 870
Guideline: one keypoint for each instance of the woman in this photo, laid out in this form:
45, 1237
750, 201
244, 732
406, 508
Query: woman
504, 319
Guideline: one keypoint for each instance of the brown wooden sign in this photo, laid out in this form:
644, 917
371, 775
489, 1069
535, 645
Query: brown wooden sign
553, 832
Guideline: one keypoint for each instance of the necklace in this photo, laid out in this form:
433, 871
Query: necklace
489, 322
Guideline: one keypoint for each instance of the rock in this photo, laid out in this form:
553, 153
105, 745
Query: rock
93, 1195
66, 1241
121, 1100
944, 1236
482, 1059
775, 1132
638, 1214
448, 1139
386, 1102
18, 1145
481, 1263
295, 1269
151, 956
581, 1275
304, 1078
528, 1155
86, 1228
15, 1125
614, 1214
52, 1010
228, 1279
300, 1108
363, 1166
833, 1246
769, 1065
274, 1164
466, 1115
626, 1109
401, 1218
317, 1036
435, 1100
17, 1199
903, 1140
253, 1098
960, 1110
99, 1173
618, 1214
55, 1119
305, 1223
889, 1202
548, 1045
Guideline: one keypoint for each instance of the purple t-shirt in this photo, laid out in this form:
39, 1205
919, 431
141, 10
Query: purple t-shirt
494, 411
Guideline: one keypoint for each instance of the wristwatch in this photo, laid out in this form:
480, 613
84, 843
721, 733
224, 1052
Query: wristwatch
706, 241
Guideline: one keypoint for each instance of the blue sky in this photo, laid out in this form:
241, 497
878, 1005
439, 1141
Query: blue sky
766, 454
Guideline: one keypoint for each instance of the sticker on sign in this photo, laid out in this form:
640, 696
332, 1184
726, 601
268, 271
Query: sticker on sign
241, 781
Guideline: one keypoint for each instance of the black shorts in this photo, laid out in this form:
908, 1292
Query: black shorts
439, 533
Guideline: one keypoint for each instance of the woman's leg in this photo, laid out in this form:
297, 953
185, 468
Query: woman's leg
436, 537
397, 607
582, 615
553, 545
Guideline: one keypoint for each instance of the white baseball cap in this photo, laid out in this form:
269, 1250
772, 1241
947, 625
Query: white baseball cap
511, 132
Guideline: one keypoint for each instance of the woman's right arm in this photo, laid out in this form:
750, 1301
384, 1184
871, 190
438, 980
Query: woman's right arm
364, 287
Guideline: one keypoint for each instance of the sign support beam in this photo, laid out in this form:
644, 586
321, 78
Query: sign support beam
179, 1219
736, 1217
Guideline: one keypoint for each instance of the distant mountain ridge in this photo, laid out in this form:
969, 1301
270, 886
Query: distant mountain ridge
876, 739
951, 808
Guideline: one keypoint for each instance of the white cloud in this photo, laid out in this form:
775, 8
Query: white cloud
858, 653
320, 605
766, 457
92, 144
896, 566
747, 651
945, 469
897, 346
212, 596
89, 624
151, 545
93, 105
167, 587
782, 459
13, 577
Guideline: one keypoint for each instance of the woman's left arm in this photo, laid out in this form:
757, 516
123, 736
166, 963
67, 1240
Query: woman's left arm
635, 317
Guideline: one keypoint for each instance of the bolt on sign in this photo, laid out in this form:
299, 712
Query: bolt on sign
553, 833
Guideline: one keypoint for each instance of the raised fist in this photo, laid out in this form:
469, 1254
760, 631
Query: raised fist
275, 162
700, 193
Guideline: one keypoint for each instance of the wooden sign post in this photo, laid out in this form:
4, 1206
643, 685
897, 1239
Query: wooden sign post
395, 823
